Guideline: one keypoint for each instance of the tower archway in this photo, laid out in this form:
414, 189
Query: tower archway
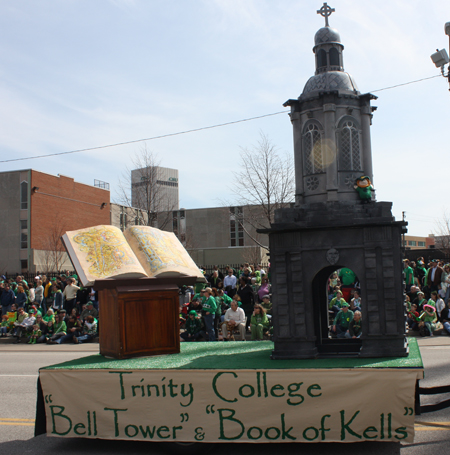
322, 317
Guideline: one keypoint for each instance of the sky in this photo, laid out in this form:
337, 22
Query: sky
76, 74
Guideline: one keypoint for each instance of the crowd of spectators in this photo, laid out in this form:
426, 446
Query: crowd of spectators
48, 310
344, 305
427, 296
427, 292
234, 302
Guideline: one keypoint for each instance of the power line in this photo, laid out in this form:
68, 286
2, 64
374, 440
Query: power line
142, 140
188, 131
406, 83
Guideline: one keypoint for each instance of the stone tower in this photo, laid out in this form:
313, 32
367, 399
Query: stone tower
331, 121
330, 227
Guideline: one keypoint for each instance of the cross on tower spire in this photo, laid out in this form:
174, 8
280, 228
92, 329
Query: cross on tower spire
326, 11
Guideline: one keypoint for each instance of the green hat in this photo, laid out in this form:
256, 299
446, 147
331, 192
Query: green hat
345, 304
363, 177
52, 279
193, 312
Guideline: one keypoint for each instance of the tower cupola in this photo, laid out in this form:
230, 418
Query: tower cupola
328, 49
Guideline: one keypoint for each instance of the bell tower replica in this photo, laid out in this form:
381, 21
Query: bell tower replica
331, 121
333, 225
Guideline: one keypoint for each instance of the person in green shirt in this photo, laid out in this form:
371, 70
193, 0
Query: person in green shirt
267, 305
428, 320
433, 299
342, 321
222, 305
258, 323
421, 300
209, 311
409, 274
59, 328
193, 328
355, 326
336, 304
49, 316
4, 326
223, 302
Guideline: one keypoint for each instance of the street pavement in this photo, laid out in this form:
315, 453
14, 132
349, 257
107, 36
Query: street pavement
19, 372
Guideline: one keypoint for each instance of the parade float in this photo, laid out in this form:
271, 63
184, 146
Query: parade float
301, 387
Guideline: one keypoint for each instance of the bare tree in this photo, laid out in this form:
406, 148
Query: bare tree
264, 183
253, 255
142, 188
442, 234
54, 252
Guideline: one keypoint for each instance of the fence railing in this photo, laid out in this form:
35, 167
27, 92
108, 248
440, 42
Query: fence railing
29, 277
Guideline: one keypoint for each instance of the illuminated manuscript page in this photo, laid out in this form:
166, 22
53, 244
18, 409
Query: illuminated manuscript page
101, 252
160, 253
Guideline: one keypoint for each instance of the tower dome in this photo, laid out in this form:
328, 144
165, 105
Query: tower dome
327, 35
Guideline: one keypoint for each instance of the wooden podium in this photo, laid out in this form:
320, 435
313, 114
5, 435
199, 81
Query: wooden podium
139, 317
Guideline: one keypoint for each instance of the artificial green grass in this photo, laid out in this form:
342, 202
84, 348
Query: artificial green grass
247, 355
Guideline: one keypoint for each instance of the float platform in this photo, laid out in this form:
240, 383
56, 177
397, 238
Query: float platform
230, 392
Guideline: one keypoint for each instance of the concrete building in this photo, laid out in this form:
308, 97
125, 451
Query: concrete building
123, 216
221, 235
155, 189
216, 235
36, 209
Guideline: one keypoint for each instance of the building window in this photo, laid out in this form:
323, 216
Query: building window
123, 221
24, 264
412, 243
23, 234
175, 222
23, 240
24, 195
236, 226
421, 244
350, 151
312, 150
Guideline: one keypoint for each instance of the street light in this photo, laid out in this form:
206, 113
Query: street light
440, 57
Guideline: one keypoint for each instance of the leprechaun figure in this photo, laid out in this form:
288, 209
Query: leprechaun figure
364, 188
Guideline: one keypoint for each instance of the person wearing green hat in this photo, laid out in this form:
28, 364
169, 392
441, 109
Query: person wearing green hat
428, 319
342, 321
193, 328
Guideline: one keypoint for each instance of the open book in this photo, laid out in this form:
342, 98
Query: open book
101, 252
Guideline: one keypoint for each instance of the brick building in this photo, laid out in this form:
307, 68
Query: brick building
36, 209
414, 242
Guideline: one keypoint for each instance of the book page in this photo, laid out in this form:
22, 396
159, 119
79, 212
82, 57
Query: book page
161, 253
101, 252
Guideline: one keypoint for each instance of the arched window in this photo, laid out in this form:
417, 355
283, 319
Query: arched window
321, 59
334, 57
349, 147
312, 150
